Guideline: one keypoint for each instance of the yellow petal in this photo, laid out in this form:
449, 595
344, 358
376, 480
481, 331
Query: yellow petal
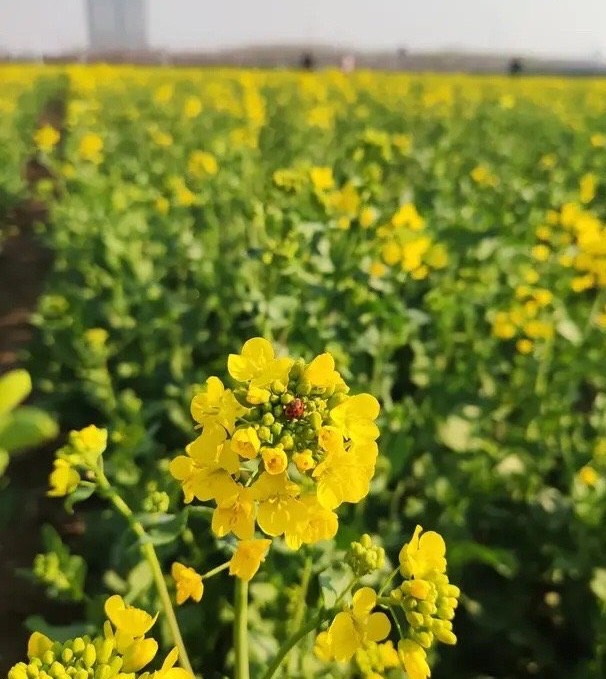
139, 654
344, 639
364, 600
378, 627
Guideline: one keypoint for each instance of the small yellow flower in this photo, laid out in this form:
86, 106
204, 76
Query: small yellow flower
202, 164
168, 669
90, 442
192, 107
413, 659
235, 514
189, 583
321, 372
321, 178
63, 479
248, 557
275, 460
352, 628
423, 555
91, 147
127, 619
588, 476
524, 346
257, 364
540, 252
96, 337
245, 442
46, 138
216, 405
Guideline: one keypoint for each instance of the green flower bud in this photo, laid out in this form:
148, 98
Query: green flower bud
315, 420
286, 399
424, 639
264, 434
276, 428
278, 387
268, 419
287, 441
365, 541
48, 657
304, 387
67, 654
414, 619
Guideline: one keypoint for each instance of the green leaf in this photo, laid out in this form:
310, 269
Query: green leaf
502, 560
163, 528
62, 633
14, 387
25, 428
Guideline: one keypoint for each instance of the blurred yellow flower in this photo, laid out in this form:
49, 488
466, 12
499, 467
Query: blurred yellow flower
46, 138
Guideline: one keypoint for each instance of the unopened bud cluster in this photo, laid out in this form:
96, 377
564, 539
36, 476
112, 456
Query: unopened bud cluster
62, 572
374, 659
290, 414
429, 606
80, 658
156, 502
364, 558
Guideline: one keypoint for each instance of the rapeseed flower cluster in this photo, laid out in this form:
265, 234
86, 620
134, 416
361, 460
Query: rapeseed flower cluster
529, 319
281, 451
425, 601
81, 451
120, 652
404, 243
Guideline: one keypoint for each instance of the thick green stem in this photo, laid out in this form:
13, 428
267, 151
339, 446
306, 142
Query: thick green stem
148, 551
241, 628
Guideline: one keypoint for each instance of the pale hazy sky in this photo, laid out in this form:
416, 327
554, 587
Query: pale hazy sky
571, 28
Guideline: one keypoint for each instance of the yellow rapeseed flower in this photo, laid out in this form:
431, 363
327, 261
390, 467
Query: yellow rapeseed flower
248, 557
63, 480
46, 138
423, 555
413, 659
257, 364
350, 629
189, 583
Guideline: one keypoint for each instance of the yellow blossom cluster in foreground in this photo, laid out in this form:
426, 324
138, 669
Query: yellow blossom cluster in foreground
281, 451
120, 652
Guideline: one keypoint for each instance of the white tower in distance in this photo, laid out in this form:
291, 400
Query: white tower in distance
116, 25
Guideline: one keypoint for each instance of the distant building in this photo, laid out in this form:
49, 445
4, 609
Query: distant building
116, 25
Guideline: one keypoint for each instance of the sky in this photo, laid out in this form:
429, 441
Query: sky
566, 28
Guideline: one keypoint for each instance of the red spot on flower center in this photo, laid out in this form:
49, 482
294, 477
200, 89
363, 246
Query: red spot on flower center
294, 409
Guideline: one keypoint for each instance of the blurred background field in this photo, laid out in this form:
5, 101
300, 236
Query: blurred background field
442, 235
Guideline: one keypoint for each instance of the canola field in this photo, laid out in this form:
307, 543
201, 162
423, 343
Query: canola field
443, 237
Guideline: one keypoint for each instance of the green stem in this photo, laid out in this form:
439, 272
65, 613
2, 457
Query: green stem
241, 628
214, 571
292, 641
392, 575
148, 551
300, 610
